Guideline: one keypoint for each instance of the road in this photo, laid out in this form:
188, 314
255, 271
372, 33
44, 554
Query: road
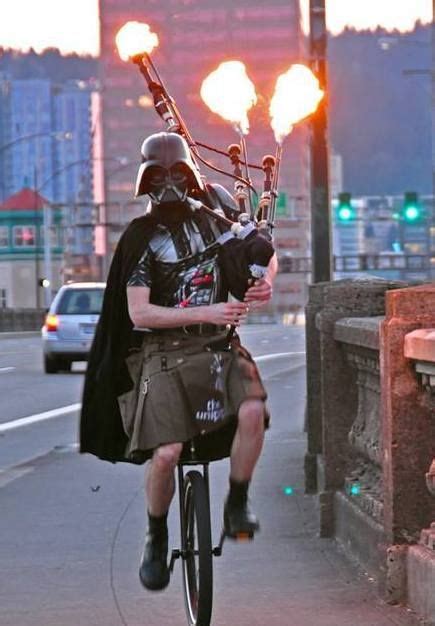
27, 392
72, 527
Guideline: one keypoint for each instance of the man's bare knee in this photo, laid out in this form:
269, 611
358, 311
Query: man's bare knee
165, 458
251, 416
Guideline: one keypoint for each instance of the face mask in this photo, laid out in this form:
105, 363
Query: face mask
166, 187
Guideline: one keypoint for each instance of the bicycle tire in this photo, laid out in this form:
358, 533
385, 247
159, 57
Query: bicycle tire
198, 560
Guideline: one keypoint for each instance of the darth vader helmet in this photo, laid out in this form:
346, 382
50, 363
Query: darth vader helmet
167, 172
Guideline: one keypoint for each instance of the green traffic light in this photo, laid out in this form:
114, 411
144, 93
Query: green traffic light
345, 213
412, 210
412, 213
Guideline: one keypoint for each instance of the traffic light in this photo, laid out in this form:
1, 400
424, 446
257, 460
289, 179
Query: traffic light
412, 211
345, 212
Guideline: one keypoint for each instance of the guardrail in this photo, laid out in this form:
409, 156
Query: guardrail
19, 320
359, 263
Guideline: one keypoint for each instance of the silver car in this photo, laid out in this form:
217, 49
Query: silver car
70, 324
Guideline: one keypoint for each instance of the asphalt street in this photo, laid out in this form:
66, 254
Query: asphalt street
72, 527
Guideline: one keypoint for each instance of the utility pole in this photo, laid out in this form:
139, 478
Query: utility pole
431, 219
321, 232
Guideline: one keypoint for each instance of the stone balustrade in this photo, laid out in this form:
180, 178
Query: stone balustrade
371, 428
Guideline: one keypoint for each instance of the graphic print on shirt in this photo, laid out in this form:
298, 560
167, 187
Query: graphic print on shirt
181, 268
197, 285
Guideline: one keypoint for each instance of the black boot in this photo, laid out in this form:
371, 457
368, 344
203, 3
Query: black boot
153, 571
239, 520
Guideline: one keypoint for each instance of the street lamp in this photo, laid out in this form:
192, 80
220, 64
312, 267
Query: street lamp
58, 135
123, 163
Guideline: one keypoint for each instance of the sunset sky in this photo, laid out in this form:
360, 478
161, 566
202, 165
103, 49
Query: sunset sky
72, 25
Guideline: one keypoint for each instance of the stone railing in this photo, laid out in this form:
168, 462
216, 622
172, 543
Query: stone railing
359, 339
370, 422
21, 319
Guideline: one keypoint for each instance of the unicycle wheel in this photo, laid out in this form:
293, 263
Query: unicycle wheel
198, 557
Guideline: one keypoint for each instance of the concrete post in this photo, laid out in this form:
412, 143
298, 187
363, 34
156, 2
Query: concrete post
408, 420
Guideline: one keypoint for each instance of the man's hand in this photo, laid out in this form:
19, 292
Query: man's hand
226, 313
259, 293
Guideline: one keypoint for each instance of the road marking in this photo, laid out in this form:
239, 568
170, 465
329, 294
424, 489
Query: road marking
7, 476
6, 369
39, 417
277, 355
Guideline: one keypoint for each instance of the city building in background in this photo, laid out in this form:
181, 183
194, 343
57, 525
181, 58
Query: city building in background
46, 138
194, 38
22, 264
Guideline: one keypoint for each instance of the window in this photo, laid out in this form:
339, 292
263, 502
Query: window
24, 236
81, 302
3, 298
4, 237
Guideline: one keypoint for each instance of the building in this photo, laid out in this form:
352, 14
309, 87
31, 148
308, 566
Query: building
72, 114
23, 259
47, 134
26, 111
46, 138
194, 38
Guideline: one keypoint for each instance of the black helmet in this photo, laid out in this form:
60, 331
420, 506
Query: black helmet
163, 154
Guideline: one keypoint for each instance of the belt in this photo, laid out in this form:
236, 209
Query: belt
196, 330
203, 329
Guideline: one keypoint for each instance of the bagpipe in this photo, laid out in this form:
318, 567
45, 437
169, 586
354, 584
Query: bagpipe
247, 248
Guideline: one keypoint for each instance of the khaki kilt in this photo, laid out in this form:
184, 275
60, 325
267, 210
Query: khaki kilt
185, 389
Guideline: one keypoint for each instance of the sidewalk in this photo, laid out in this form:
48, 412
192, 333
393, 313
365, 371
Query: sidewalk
71, 532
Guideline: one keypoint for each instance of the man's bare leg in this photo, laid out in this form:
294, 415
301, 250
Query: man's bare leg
247, 445
160, 482
248, 440
160, 486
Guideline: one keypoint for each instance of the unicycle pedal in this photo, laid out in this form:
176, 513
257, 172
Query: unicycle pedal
240, 527
240, 535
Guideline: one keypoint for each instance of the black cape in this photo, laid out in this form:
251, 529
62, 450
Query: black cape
101, 429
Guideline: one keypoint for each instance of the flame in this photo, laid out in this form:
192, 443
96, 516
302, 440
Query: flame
135, 38
296, 96
230, 93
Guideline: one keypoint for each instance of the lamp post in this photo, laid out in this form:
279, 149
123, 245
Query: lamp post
58, 135
123, 163
321, 236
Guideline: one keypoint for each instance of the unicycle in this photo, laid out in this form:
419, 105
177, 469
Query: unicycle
196, 550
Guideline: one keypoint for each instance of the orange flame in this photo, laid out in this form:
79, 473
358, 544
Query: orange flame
230, 93
135, 38
297, 95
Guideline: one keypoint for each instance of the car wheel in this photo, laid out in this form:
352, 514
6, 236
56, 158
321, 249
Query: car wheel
51, 364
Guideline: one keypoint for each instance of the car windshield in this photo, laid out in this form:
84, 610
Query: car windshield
80, 302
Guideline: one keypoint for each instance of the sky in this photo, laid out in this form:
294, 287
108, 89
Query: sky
72, 25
